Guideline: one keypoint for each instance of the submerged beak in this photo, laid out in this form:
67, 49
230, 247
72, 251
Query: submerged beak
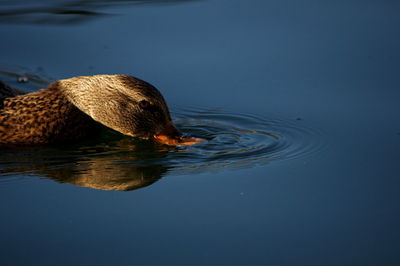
171, 136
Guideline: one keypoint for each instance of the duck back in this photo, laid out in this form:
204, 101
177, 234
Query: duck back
41, 117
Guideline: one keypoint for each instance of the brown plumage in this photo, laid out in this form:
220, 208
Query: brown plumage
72, 109
45, 116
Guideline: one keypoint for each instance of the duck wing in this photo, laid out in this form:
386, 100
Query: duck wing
42, 117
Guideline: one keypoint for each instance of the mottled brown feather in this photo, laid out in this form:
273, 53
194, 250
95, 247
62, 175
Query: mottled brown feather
45, 116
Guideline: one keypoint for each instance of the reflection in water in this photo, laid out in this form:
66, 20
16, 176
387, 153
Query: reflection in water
116, 162
86, 167
100, 175
96, 173
64, 12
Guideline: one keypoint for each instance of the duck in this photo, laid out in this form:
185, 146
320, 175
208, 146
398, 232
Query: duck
75, 108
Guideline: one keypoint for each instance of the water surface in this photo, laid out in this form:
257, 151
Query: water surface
298, 102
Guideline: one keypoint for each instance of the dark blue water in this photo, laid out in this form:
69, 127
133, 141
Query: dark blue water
298, 101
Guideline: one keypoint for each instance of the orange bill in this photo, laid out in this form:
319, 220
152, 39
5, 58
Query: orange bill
184, 141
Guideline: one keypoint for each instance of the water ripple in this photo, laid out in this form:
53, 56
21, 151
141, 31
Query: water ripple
116, 162
237, 138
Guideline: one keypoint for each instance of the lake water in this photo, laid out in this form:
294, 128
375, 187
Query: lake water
298, 101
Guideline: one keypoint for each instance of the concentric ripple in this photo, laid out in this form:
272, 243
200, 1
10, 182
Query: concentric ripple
241, 140
116, 162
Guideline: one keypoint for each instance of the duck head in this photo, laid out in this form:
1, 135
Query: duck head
124, 103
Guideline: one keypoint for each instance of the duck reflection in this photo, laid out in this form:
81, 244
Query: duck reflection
65, 12
122, 168
97, 173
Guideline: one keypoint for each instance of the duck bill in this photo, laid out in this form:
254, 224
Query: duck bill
172, 136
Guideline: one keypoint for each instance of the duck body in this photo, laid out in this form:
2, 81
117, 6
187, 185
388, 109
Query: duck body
75, 108
42, 117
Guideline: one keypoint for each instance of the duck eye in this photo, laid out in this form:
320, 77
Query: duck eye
144, 104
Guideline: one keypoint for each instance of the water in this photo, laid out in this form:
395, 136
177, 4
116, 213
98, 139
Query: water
298, 102
116, 162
